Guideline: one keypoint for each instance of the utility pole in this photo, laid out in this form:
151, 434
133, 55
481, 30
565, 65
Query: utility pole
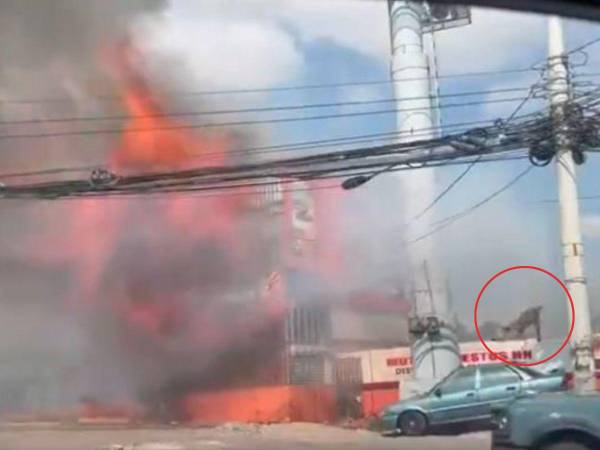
571, 241
433, 343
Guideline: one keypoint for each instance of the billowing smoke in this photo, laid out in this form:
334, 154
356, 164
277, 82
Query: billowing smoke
39, 39
51, 61
116, 301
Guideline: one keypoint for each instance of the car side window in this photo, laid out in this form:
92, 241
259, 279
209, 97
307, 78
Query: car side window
462, 380
497, 376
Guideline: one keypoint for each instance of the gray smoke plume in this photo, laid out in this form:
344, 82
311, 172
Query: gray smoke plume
172, 311
51, 66
38, 36
49, 49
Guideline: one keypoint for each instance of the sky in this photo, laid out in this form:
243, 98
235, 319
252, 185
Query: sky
241, 44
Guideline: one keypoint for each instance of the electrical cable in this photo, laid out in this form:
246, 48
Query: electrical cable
444, 223
239, 123
58, 189
265, 149
197, 193
251, 110
531, 128
277, 148
448, 188
465, 172
224, 189
286, 88
583, 46
318, 158
583, 198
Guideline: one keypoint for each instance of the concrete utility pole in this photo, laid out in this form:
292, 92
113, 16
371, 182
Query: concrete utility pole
434, 353
571, 242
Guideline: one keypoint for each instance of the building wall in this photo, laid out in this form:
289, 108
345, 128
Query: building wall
376, 396
370, 328
395, 364
266, 404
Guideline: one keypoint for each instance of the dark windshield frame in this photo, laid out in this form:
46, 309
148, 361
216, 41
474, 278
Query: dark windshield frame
580, 9
442, 381
529, 371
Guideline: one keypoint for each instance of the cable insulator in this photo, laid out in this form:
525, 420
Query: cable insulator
478, 133
499, 123
541, 154
102, 178
578, 157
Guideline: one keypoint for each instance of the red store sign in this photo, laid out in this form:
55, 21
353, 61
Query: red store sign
469, 358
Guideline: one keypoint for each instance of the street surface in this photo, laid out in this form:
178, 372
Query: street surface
230, 436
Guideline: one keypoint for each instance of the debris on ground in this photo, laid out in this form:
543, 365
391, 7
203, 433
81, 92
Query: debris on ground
239, 427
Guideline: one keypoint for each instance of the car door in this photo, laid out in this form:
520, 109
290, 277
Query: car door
454, 399
499, 384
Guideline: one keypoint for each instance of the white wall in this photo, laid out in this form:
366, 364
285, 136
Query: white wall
394, 364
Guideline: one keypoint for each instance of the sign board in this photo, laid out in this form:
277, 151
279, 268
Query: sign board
303, 221
439, 16
394, 364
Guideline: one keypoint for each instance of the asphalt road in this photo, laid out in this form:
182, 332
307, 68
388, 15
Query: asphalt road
234, 437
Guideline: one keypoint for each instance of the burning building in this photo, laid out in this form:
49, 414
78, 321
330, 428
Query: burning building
168, 295
185, 300
183, 306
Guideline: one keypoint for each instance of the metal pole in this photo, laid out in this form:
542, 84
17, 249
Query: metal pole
412, 88
571, 242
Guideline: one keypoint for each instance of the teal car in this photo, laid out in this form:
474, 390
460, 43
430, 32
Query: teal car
557, 421
465, 398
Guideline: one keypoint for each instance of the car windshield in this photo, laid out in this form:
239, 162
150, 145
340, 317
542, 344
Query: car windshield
442, 382
262, 223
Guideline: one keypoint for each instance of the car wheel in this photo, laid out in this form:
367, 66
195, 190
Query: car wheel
566, 445
412, 423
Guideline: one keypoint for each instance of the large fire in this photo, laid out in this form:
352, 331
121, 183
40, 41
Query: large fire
153, 276
162, 145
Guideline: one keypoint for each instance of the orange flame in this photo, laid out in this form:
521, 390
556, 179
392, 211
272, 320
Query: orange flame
150, 139
99, 228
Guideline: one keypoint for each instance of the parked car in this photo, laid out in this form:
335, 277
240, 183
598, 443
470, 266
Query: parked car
464, 399
559, 421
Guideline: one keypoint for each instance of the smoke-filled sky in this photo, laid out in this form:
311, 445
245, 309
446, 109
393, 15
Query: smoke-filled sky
295, 42
55, 50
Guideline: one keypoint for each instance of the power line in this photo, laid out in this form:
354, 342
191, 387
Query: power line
288, 168
444, 223
241, 122
333, 156
287, 88
50, 171
230, 173
197, 193
223, 189
465, 172
280, 148
583, 197
311, 176
442, 194
277, 148
423, 157
251, 110
581, 47
227, 175
586, 74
